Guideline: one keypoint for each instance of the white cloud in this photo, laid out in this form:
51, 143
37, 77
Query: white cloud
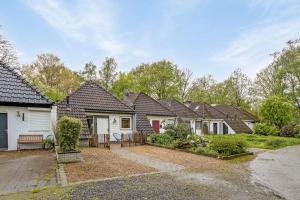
94, 22
252, 48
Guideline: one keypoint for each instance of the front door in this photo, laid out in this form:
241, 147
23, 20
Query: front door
198, 127
3, 131
215, 128
102, 125
156, 125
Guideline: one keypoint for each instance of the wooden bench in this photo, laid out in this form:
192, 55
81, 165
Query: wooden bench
30, 139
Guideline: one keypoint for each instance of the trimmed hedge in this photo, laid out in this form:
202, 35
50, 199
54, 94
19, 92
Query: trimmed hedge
68, 133
161, 139
227, 146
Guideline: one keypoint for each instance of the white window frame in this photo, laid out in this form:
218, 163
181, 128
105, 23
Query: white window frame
130, 123
31, 129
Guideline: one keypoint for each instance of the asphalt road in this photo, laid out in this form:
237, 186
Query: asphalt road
279, 171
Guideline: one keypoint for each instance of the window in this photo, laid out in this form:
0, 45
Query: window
215, 128
125, 122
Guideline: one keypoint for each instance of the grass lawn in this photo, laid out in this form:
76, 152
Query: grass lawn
263, 142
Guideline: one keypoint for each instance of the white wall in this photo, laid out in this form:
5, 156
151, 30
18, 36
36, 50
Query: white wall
115, 123
17, 126
250, 124
220, 126
161, 120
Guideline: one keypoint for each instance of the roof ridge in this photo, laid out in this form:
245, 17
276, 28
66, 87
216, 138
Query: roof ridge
23, 80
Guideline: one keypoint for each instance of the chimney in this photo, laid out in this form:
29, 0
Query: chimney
126, 92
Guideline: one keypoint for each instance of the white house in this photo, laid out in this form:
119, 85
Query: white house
218, 121
151, 115
100, 111
184, 115
23, 109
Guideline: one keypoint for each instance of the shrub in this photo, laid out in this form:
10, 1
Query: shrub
182, 143
297, 131
227, 146
264, 129
197, 141
205, 151
161, 139
177, 131
68, 133
288, 131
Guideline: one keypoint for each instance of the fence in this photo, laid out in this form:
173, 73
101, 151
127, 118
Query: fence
100, 140
133, 139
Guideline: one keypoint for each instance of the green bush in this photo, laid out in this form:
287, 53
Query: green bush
177, 131
68, 133
265, 129
197, 141
227, 146
297, 131
182, 143
161, 139
205, 151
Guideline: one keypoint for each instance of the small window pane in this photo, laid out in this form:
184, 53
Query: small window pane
125, 123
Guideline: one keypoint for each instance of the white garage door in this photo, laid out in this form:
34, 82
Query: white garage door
39, 121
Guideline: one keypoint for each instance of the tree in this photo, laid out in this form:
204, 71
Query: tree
108, 72
161, 79
89, 72
186, 76
201, 89
238, 86
8, 54
125, 81
277, 111
51, 76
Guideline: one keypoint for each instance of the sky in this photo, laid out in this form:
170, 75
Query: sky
205, 36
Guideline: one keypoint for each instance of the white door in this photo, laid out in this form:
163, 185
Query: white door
102, 126
198, 125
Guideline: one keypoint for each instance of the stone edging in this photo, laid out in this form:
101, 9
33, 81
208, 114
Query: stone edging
61, 175
218, 157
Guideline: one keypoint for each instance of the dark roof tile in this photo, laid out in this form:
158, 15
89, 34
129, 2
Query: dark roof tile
14, 89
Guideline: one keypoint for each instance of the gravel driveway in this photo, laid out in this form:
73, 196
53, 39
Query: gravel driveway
279, 170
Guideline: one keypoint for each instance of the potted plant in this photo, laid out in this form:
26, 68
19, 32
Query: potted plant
68, 131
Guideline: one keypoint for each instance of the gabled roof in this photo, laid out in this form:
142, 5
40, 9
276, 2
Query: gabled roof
15, 90
209, 112
204, 110
94, 98
90, 97
234, 111
146, 105
179, 109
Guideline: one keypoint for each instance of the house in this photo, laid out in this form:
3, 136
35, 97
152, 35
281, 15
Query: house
217, 122
99, 110
184, 114
234, 112
23, 109
151, 115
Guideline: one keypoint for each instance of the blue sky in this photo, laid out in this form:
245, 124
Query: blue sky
208, 37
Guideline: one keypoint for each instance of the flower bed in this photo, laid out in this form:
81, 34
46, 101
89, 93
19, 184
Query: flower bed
217, 147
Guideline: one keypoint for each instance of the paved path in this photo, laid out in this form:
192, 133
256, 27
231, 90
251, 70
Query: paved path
160, 165
279, 170
26, 170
